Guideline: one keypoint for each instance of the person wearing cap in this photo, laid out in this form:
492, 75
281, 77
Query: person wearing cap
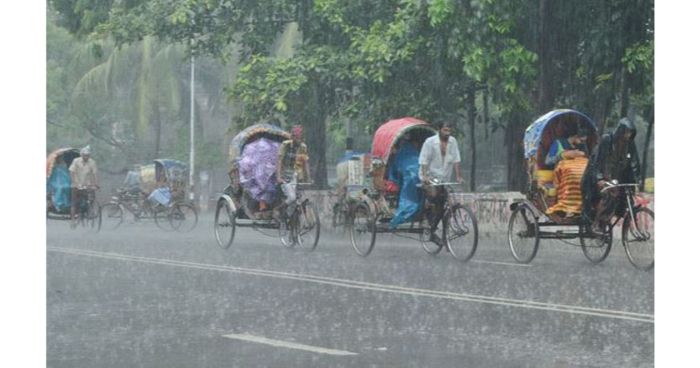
292, 164
614, 158
439, 157
83, 174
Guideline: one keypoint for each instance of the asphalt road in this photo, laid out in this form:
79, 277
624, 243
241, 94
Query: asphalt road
142, 297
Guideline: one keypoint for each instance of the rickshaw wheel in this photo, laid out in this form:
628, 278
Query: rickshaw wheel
287, 229
224, 225
598, 248
428, 246
364, 232
93, 216
112, 215
639, 242
160, 215
460, 233
309, 228
183, 217
523, 234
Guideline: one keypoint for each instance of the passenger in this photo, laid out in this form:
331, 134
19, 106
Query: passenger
569, 156
406, 172
567, 148
59, 186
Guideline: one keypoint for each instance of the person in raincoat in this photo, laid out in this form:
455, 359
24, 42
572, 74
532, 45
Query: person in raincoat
404, 171
614, 158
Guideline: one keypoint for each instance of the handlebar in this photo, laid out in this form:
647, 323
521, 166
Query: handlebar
420, 185
610, 185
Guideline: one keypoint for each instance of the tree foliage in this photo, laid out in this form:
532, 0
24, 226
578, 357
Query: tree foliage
372, 60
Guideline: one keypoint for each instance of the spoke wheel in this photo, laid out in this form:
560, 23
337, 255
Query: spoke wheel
160, 215
461, 234
224, 225
364, 232
287, 229
112, 215
183, 217
93, 216
309, 229
638, 240
523, 234
596, 247
429, 246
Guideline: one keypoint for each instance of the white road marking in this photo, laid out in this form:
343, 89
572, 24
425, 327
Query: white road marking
286, 344
501, 263
518, 303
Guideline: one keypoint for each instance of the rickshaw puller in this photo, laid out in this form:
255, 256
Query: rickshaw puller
292, 166
438, 157
83, 174
614, 158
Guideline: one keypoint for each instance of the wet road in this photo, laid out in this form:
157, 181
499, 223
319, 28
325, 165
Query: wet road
142, 297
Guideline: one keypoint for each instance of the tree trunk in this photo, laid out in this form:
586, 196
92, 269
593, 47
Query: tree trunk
316, 137
647, 141
625, 95
485, 96
545, 98
158, 131
471, 116
517, 175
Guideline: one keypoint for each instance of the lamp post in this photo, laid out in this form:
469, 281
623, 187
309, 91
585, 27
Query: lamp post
191, 178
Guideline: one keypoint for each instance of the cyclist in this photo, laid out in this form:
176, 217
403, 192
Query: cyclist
83, 173
438, 158
292, 166
614, 158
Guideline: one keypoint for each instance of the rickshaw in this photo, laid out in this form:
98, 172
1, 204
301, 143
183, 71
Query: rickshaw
58, 191
237, 206
161, 197
378, 201
530, 220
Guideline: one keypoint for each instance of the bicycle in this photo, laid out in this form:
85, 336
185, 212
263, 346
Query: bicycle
299, 223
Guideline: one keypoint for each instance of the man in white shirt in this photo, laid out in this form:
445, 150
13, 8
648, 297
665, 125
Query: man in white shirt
438, 158
83, 175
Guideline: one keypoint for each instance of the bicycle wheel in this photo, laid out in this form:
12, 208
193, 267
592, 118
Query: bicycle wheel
183, 217
523, 234
638, 238
309, 228
287, 230
429, 246
596, 247
112, 215
364, 232
224, 225
461, 234
93, 216
160, 215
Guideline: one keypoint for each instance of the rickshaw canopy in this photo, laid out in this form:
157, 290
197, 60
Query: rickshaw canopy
252, 132
390, 132
537, 134
173, 170
67, 153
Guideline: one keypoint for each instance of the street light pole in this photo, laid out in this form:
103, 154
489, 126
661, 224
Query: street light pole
191, 179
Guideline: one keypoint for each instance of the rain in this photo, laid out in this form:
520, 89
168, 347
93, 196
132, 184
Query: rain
330, 183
